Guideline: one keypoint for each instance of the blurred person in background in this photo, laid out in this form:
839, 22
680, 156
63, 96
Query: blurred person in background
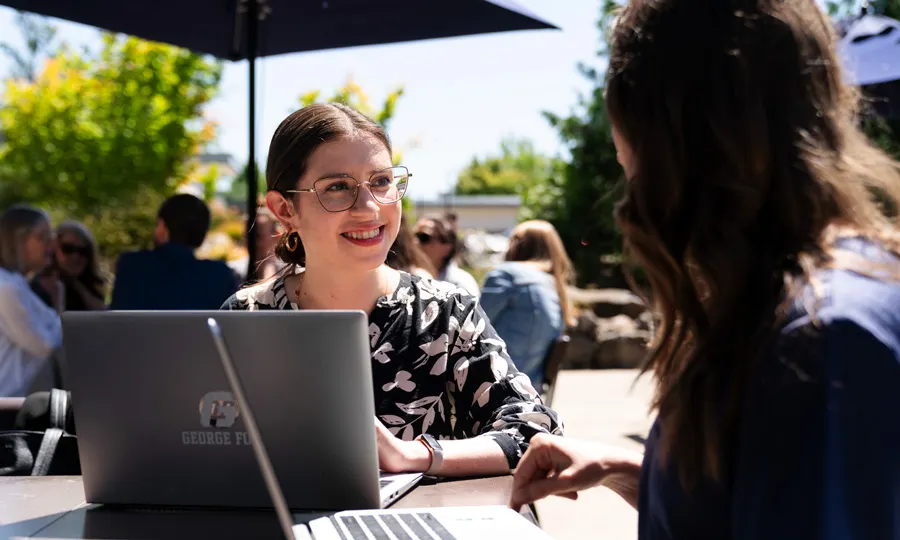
30, 331
526, 297
407, 255
170, 277
76, 264
439, 242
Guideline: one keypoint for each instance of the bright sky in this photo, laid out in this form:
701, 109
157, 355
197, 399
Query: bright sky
462, 95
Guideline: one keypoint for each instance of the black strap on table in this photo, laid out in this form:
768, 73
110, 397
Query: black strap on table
59, 405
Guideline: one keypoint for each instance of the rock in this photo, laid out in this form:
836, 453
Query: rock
621, 343
609, 302
620, 352
613, 342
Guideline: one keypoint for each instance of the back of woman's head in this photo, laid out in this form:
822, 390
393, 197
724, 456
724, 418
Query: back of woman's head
537, 242
16, 223
295, 140
743, 160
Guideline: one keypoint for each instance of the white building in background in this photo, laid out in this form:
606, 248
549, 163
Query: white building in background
494, 214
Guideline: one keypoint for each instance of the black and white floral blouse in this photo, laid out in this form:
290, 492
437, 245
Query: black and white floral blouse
438, 366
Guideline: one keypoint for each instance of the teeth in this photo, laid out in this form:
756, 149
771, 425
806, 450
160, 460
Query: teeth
364, 235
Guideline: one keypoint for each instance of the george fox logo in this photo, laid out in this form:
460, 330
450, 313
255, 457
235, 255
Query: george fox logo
219, 411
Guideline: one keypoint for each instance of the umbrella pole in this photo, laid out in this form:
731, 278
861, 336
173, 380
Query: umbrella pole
252, 21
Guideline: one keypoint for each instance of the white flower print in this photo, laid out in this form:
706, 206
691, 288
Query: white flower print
523, 385
423, 366
469, 333
499, 365
405, 297
381, 354
392, 420
430, 315
374, 334
402, 381
418, 406
436, 348
461, 372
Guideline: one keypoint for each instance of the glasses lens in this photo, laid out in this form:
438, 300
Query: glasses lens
336, 194
388, 186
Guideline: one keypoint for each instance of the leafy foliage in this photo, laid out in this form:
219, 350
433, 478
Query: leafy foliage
97, 136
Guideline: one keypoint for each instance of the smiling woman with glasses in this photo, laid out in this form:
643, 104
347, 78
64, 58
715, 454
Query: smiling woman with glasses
439, 369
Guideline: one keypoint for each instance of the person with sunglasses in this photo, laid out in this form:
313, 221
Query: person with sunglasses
75, 265
439, 369
439, 241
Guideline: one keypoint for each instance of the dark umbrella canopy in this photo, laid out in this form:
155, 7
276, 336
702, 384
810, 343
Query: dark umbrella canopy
248, 29
217, 27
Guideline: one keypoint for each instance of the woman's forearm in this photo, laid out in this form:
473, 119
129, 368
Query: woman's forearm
478, 456
626, 480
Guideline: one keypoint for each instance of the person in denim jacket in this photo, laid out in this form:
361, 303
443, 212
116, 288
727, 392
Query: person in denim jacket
525, 297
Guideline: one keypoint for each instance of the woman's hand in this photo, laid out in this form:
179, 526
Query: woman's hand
396, 455
554, 465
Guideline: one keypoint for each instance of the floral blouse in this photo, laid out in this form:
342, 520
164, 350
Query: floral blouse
438, 366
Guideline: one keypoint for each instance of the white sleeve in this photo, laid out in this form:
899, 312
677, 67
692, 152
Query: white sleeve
29, 324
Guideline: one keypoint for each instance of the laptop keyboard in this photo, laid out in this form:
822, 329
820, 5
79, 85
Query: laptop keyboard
418, 526
384, 483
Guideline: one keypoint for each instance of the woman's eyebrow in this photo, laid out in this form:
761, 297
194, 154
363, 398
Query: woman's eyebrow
348, 175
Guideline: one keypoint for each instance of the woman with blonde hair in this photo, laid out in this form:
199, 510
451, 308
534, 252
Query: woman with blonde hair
30, 332
525, 297
765, 223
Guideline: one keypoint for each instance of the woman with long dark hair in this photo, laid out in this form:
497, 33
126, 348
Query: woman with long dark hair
764, 221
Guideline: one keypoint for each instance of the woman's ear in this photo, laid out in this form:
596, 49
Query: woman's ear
282, 209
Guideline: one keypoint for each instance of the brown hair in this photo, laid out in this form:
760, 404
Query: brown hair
537, 242
295, 140
443, 232
16, 223
92, 278
747, 164
406, 254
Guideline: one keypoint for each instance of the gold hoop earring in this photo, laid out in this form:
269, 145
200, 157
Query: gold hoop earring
293, 241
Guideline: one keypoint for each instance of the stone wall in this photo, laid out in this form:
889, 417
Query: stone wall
613, 330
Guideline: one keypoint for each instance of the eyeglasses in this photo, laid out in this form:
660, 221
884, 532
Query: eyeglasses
339, 194
71, 249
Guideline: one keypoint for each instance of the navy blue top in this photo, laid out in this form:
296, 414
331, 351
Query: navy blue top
818, 452
171, 278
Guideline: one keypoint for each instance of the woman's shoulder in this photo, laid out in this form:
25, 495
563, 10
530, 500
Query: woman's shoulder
268, 294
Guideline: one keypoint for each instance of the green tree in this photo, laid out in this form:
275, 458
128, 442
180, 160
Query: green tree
515, 171
580, 199
39, 38
237, 194
101, 134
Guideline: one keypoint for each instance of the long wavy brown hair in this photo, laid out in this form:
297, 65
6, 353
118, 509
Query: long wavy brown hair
747, 163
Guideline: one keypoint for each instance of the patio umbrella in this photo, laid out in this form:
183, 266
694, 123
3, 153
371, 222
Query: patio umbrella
234, 30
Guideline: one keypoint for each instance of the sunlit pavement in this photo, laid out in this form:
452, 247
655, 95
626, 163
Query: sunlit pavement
608, 406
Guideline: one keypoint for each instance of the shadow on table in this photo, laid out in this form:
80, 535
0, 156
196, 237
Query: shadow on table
104, 522
640, 439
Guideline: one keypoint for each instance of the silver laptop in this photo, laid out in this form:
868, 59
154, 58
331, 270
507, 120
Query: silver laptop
473, 523
159, 424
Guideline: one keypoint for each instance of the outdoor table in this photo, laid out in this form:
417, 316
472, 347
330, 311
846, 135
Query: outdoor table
54, 507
